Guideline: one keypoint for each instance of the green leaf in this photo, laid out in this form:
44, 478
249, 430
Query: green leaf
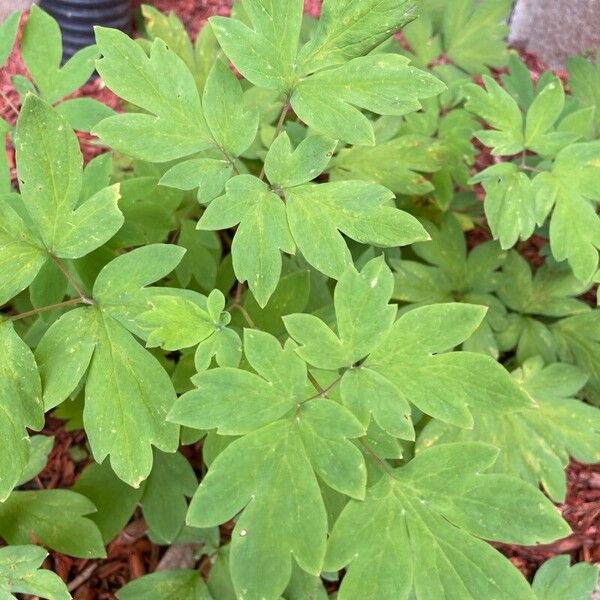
544, 112
318, 213
20, 397
164, 503
174, 322
43, 60
262, 232
265, 52
364, 317
39, 451
8, 32
181, 584
509, 203
556, 579
47, 152
474, 34
272, 527
396, 164
84, 114
548, 292
416, 533
56, 518
236, 401
171, 30
579, 343
22, 254
124, 414
287, 168
209, 175
352, 29
382, 83
535, 443
114, 500
232, 128
584, 83
499, 109
160, 84
20, 573
572, 188
288, 437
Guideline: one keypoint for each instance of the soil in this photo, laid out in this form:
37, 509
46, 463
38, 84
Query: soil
132, 554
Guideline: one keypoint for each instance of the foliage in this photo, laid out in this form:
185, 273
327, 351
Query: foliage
297, 272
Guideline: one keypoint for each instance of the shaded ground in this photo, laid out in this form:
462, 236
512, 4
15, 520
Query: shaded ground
131, 554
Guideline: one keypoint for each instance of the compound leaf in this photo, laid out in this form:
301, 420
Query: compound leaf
417, 532
535, 443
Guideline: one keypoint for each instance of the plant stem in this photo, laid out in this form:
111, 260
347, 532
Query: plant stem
278, 128
41, 309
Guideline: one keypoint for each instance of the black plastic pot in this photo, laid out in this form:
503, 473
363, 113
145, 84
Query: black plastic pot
77, 18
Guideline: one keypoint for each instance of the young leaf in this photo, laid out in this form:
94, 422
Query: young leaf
56, 518
264, 53
47, 152
556, 579
352, 29
20, 573
416, 534
183, 584
43, 60
536, 443
20, 396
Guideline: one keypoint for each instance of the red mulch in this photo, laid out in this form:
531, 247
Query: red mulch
131, 554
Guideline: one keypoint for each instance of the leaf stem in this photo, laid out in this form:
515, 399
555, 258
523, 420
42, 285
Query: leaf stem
42, 309
71, 280
278, 128
322, 392
245, 314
